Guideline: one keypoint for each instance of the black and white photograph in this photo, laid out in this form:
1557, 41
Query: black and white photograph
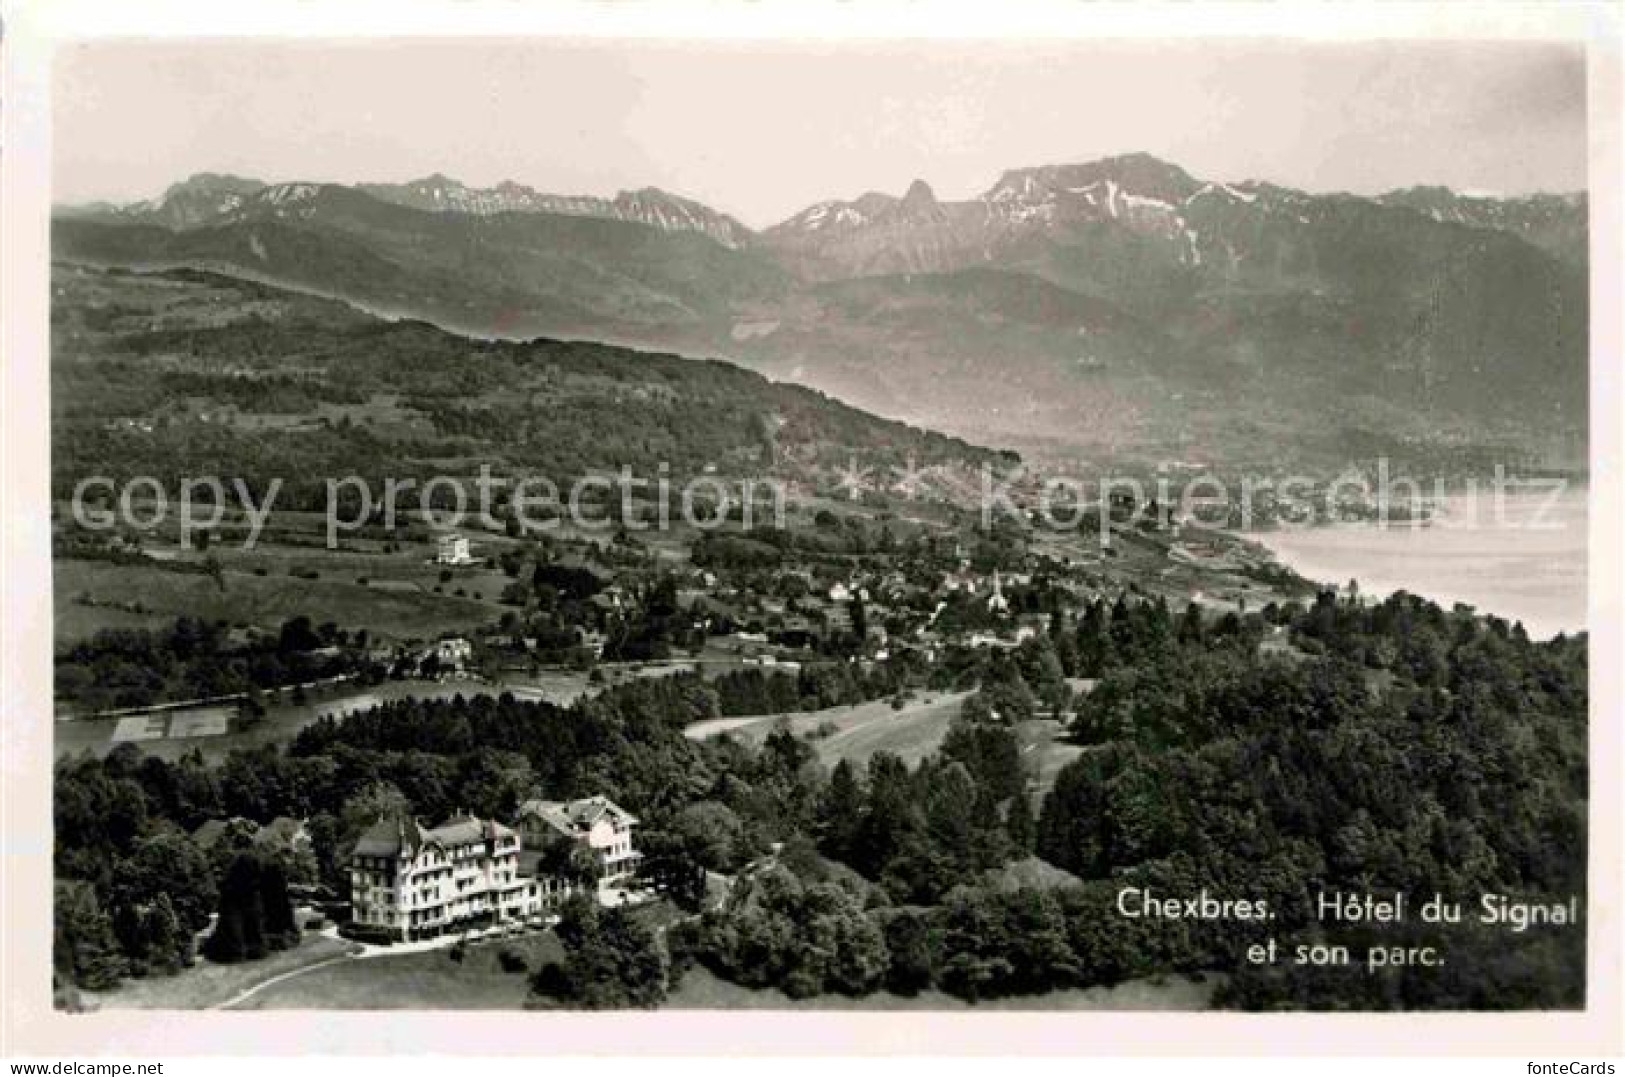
930, 525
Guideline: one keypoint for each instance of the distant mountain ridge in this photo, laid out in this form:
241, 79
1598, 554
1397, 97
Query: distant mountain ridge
1127, 186
649, 206
1554, 222
201, 199
1122, 304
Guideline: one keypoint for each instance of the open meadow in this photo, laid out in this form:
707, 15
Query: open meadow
701, 990
911, 733
426, 980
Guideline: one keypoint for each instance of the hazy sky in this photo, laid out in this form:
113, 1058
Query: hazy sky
761, 131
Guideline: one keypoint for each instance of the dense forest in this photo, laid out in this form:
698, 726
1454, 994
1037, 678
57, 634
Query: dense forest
1272, 756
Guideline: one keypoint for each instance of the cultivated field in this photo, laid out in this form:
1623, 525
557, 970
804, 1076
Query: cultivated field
98, 736
73, 621
700, 990
207, 984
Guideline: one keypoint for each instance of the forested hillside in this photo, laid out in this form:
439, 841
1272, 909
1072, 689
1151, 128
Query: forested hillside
182, 373
1399, 747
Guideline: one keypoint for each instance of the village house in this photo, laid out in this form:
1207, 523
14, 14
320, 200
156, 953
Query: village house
235, 831
595, 824
592, 641
990, 640
1203, 553
613, 599
774, 661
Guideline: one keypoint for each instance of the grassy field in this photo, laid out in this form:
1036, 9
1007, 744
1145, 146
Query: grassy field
860, 731
435, 980
265, 601
911, 733
207, 984
407, 570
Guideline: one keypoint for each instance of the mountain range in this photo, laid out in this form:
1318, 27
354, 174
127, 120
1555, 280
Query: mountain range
1117, 308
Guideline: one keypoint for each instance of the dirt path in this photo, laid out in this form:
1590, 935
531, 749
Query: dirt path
248, 993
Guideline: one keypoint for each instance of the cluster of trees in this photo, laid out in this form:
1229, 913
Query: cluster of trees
134, 889
1139, 633
262, 393
653, 628
815, 686
197, 658
853, 903
1391, 747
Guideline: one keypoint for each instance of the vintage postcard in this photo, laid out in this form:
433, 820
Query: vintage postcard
1053, 525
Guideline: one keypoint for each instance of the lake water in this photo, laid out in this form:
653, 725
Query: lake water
1521, 557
